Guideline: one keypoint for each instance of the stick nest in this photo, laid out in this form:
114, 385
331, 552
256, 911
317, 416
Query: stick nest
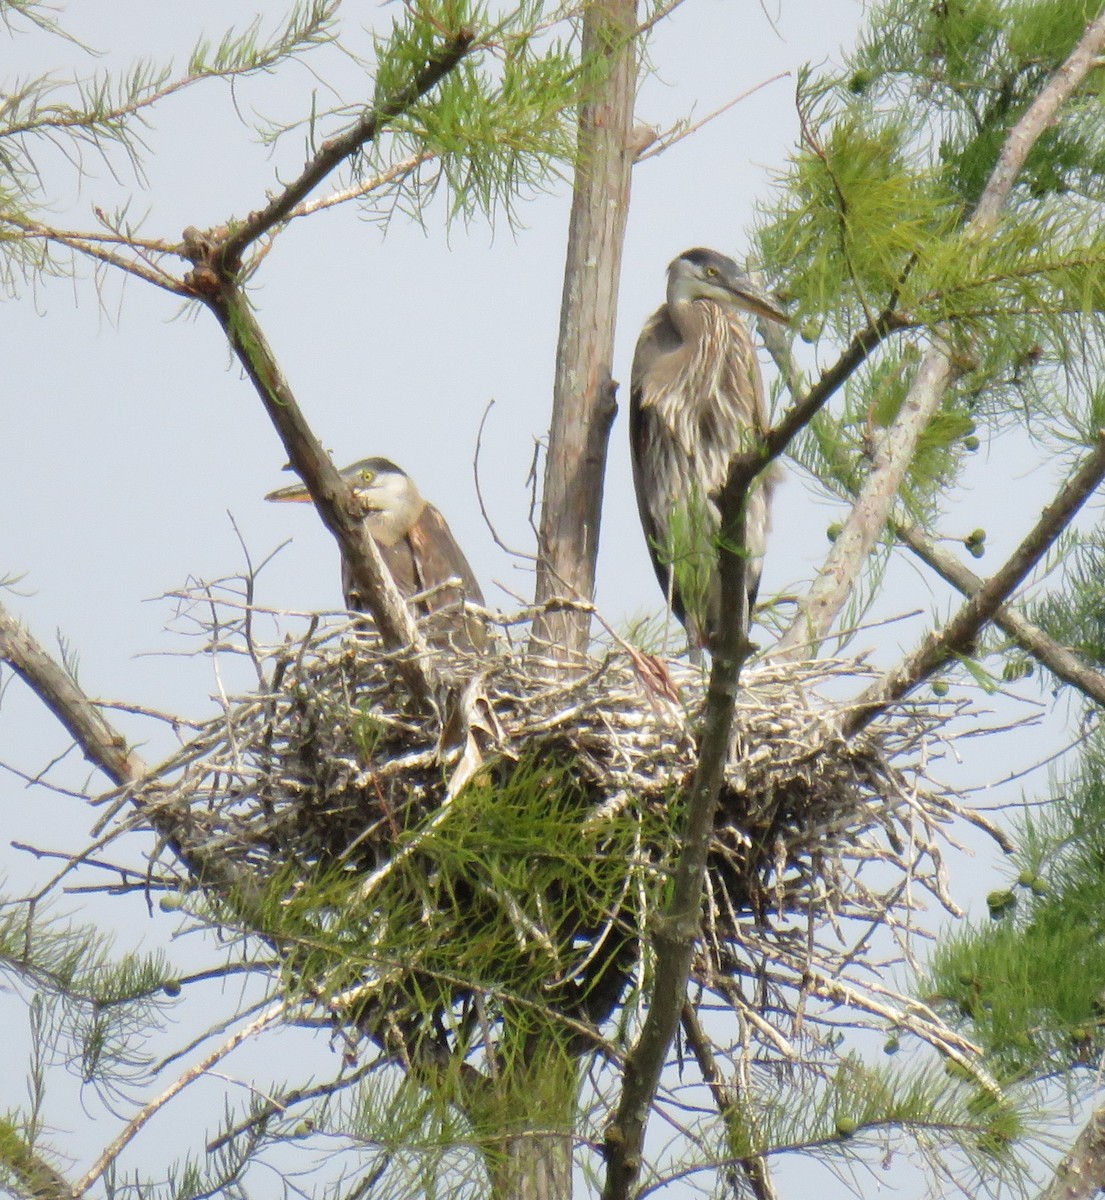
333, 766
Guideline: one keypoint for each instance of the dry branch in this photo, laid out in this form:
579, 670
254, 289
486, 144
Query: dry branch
197, 1071
104, 746
96, 247
732, 1110
99, 742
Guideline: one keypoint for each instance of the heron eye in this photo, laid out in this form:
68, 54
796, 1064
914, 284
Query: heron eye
711, 272
368, 476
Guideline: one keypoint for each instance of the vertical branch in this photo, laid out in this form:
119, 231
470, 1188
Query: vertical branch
677, 928
583, 390
733, 1111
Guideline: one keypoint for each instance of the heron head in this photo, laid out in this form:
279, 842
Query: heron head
702, 274
378, 484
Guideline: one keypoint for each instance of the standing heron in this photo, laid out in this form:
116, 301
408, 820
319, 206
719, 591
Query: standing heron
697, 401
416, 545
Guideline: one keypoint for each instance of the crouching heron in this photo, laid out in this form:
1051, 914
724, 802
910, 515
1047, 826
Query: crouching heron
417, 547
696, 403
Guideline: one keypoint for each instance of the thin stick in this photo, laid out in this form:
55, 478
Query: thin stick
118, 1144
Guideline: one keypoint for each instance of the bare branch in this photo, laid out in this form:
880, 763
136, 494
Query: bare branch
99, 741
958, 635
896, 449
397, 171
95, 246
832, 379
104, 746
217, 257
661, 142
732, 1111
278, 1106
200, 1069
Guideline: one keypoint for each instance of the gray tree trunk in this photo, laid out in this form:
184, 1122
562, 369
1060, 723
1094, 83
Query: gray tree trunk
583, 393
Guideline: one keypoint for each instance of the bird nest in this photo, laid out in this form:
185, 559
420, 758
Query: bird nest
527, 830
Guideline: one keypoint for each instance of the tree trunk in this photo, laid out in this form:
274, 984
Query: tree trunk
535, 1166
583, 392
526, 1118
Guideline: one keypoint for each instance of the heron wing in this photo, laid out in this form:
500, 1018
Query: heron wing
439, 558
648, 445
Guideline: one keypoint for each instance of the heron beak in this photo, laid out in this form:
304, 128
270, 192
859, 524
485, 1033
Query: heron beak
296, 493
757, 301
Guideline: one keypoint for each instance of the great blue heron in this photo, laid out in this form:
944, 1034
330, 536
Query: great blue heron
416, 545
697, 401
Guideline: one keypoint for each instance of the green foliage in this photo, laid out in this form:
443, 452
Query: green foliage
499, 123
1030, 984
498, 926
495, 928
74, 964
103, 110
851, 1104
960, 73
106, 115
90, 1013
310, 23
837, 451
507, 891
22, 1164
872, 218
895, 152
854, 216
497, 126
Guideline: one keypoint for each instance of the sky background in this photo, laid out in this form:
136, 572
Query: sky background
132, 446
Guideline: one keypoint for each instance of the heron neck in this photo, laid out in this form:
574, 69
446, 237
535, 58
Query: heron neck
391, 525
690, 317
